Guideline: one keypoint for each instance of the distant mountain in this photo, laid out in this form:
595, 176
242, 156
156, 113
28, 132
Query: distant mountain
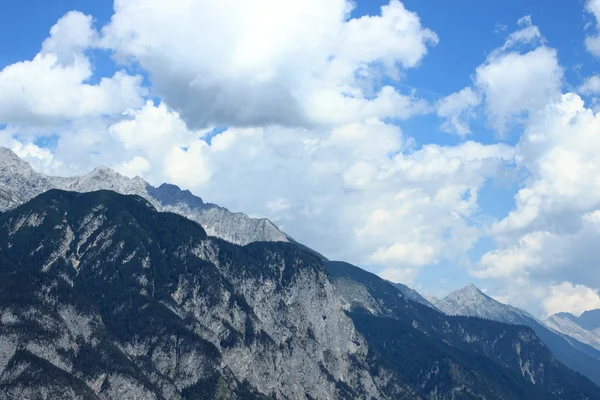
444, 353
472, 302
585, 328
590, 320
104, 297
19, 182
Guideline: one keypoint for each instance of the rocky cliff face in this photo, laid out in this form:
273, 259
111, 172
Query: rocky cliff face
104, 297
20, 183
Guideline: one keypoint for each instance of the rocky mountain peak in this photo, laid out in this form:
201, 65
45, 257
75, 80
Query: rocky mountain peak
471, 301
8, 159
20, 183
171, 194
472, 288
468, 293
105, 171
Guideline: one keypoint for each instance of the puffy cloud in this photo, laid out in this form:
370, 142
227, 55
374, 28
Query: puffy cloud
298, 63
457, 109
551, 234
152, 130
69, 37
567, 297
513, 83
137, 166
593, 42
400, 275
518, 84
42, 91
591, 85
53, 86
560, 150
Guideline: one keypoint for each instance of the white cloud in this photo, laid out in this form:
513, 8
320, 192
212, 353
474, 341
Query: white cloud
53, 86
152, 130
592, 42
560, 149
517, 85
591, 85
137, 166
457, 109
551, 234
188, 166
405, 253
515, 81
69, 37
575, 299
266, 62
528, 33
399, 275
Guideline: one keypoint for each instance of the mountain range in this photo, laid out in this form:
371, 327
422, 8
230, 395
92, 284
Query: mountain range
123, 294
472, 302
585, 328
19, 182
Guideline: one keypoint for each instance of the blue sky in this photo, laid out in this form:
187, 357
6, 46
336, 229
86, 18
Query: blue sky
435, 143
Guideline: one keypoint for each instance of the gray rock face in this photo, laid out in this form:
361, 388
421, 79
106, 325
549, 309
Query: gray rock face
20, 183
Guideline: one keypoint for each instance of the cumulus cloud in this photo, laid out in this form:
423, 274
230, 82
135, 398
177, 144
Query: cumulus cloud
69, 37
400, 275
518, 84
53, 86
551, 234
571, 298
592, 42
560, 151
591, 85
515, 81
457, 109
137, 166
298, 63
